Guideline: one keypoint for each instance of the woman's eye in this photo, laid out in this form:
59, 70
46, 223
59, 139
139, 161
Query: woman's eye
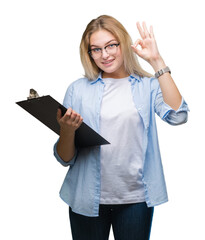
96, 50
111, 45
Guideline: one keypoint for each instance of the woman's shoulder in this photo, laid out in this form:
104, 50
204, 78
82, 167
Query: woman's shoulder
146, 81
78, 84
151, 82
80, 81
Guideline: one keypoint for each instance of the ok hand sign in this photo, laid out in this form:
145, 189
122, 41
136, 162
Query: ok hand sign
149, 50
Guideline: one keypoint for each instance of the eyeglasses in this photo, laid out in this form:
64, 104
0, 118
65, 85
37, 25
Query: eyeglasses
110, 49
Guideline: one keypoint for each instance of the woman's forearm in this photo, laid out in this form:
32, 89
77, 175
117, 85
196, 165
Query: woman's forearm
170, 92
66, 146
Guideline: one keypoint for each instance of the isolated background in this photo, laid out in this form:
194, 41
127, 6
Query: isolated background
39, 48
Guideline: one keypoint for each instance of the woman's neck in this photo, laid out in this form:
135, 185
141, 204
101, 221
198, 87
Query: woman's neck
116, 75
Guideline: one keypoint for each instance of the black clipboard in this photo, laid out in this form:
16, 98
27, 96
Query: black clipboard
45, 109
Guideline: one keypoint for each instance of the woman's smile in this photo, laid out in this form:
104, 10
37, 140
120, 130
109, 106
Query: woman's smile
108, 63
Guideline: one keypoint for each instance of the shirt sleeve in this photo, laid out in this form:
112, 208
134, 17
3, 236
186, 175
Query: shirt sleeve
168, 114
67, 102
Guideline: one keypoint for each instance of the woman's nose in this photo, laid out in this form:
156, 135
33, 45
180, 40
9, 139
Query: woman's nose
104, 53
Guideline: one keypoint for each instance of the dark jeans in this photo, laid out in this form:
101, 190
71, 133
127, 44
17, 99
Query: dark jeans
129, 222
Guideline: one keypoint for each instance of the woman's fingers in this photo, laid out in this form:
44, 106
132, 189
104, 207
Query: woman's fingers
75, 118
142, 34
151, 32
59, 115
78, 120
146, 33
68, 113
149, 50
71, 119
136, 44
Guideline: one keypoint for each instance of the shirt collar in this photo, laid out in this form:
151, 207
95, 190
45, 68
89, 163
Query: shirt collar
133, 78
99, 78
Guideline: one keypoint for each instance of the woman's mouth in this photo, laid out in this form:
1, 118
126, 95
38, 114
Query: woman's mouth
108, 62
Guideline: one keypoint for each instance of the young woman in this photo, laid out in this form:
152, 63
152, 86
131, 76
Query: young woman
117, 184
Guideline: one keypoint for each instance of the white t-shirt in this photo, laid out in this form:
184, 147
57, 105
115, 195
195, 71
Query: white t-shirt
122, 160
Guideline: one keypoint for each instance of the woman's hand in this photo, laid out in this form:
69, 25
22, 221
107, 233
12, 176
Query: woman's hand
149, 50
70, 122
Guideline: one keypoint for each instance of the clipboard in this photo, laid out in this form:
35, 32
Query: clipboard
45, 109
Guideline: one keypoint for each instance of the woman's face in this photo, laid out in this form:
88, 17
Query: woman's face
111, 64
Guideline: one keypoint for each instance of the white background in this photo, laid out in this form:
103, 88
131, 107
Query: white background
39, 48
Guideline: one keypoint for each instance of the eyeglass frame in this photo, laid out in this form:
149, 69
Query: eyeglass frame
101, 49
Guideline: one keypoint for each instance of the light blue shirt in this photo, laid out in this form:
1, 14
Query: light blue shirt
81, 187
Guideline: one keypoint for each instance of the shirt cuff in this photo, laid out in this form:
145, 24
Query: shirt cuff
60, 160
166, 109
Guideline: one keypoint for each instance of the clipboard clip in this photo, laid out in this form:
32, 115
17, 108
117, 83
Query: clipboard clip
33, 94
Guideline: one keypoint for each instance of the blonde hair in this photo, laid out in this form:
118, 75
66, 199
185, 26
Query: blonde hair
113, 26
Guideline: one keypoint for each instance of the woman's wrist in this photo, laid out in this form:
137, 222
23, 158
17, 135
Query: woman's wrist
66, 133
157, 63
